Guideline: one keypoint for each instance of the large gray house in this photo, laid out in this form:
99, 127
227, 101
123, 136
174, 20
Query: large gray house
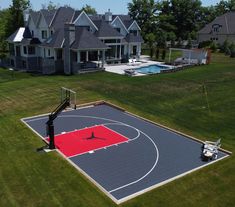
70, 41
220, 29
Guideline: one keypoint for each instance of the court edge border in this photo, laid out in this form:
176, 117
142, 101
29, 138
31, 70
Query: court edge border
160, 125
101, 102
93, 182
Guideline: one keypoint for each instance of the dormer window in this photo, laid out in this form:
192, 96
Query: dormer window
216, 28
44, 34
134, 32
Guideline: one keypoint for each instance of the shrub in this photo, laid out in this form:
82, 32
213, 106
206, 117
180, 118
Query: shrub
213, 47
225, 47
204, 44
232, 50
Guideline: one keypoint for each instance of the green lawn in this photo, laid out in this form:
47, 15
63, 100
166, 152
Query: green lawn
177, 100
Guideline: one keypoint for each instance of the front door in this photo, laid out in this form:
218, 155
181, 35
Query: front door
134, 51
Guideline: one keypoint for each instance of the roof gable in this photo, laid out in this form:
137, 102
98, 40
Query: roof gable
34, 17
120, 21
84, 20
225, 24
134, 26
48, 15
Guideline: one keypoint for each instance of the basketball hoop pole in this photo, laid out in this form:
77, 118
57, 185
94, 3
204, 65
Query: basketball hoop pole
52, 117
51, 135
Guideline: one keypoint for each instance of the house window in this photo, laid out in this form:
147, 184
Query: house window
32, 33
51, 32
134, 32
44, 34
25, 50
49, 53
31, 50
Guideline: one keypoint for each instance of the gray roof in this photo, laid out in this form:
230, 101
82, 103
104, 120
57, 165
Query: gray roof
132, 38
35, 16
63, 15
105, 30
48, 15
86, 40
33, 41
227, 22
56, 40
126, 19
76, 14
19, 35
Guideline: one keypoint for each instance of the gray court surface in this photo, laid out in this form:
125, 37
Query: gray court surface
153, 155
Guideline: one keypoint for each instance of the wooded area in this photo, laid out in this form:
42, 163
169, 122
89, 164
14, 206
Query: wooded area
160, 21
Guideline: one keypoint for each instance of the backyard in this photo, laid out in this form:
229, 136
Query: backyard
199, 101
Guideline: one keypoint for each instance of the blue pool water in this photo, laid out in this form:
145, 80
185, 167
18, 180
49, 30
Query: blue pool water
151, 69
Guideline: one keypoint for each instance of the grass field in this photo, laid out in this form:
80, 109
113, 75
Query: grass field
177, 100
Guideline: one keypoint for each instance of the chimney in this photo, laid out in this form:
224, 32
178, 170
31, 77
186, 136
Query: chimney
69, 37
108, 16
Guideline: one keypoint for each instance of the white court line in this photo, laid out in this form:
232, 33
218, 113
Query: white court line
157, 157
107, 146
115, 132
155, 164
167, 181
138, 131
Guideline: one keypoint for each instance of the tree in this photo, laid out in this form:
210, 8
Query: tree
15, 18
4, 15
145, 12
224, 6
151, 40
50, 6
89, 10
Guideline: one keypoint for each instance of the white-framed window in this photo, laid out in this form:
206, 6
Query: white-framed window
44, 34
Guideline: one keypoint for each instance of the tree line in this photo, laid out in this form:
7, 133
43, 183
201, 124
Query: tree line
160, 21
171, 20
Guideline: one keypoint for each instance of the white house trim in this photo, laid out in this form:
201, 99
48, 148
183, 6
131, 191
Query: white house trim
39, 19
83, 12
118, 18
134, 22
53, 18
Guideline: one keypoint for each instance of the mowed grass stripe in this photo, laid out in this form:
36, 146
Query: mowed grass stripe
176, 100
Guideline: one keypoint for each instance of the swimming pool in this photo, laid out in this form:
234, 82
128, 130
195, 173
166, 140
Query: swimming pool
152, 69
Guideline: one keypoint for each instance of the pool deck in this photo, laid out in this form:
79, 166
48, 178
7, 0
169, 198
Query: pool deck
120, 69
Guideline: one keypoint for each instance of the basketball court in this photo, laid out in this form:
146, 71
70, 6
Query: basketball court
122, 154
